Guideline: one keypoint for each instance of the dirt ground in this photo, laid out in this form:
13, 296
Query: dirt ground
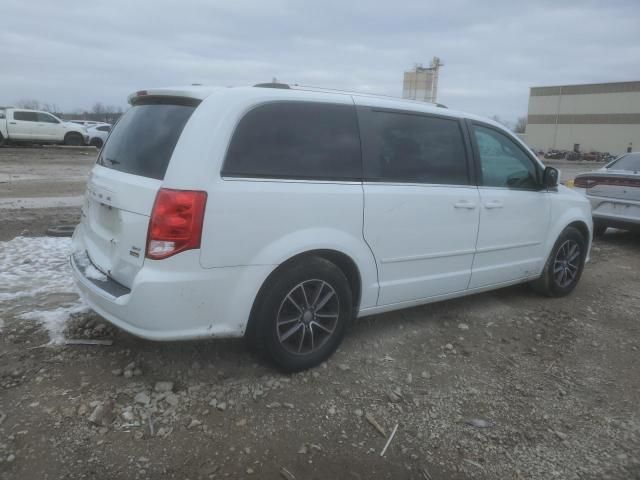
502, 385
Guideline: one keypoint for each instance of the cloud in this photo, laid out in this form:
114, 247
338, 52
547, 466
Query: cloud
76, 53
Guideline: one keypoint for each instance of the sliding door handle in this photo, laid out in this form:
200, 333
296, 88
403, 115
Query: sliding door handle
465, 204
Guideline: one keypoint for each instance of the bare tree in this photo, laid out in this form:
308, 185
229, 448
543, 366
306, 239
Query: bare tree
50, 107
521, 125
28, 103
98, 109
496, 118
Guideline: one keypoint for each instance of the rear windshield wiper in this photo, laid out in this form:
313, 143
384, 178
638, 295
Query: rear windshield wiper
112, 161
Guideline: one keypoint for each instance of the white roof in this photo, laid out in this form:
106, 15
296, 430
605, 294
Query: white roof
200, 92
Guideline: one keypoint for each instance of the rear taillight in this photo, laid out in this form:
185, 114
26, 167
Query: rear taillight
590, 182
583, 182
176, 222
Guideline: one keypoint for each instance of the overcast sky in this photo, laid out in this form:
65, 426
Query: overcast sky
76, 52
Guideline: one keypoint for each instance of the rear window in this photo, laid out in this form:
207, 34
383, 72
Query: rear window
630, 161
25, 116
301, 140
142, 141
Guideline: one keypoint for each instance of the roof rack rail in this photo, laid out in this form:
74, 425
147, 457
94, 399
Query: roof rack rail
363, 94
336, 90
272, 85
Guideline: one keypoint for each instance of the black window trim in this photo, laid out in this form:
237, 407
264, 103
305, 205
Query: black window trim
477, 162
471, 171
224, 175
25, 111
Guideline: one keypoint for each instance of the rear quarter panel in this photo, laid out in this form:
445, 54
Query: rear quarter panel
256, 222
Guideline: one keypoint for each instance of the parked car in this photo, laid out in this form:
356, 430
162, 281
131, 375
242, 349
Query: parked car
282, 213
614, 193
98, 134
21, 125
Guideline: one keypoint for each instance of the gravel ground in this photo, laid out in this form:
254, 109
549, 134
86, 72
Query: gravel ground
500, 385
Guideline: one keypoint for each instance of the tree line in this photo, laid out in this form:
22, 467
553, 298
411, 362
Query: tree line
98, 112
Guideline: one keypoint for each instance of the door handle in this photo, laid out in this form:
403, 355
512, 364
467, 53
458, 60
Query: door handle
465, 204
12, 123
493, 204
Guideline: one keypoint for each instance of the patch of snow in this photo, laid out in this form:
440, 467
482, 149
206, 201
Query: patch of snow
40, 202
31, 270
54, 321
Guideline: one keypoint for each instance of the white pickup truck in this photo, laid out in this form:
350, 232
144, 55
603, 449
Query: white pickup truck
33, 126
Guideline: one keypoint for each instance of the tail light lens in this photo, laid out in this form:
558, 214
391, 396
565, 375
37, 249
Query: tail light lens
176, 222
583, 182
590, 182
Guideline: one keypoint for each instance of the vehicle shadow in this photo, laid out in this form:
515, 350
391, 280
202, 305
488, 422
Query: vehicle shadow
231, 357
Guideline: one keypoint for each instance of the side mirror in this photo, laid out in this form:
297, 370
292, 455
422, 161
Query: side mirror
550, 177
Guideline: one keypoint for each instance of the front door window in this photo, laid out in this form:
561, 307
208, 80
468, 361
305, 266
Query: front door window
503, 163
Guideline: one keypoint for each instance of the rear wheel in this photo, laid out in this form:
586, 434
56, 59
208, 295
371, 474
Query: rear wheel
2, 140
96, 142
73, 139
302, 314
564, 266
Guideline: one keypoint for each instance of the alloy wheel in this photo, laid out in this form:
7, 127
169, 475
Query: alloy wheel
566, 264
307, 317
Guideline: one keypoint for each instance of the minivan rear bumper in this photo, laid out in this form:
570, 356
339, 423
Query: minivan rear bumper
174, 298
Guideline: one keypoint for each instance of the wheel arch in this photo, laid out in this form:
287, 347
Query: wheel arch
582, 227
341, 260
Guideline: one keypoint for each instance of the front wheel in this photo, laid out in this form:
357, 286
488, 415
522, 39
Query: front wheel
73, 139
564, 266
302, 314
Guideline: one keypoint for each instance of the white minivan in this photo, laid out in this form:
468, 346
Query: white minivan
281, 213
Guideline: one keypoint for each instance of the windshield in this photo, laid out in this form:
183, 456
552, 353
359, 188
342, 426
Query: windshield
142, 141
630, 162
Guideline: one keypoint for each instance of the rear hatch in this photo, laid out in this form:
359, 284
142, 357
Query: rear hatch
122, 187
619, 185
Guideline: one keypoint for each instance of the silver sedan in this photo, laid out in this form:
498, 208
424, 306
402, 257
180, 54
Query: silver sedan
614, 193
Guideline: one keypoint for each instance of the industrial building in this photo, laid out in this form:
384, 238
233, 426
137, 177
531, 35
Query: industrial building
421, 83
601, 117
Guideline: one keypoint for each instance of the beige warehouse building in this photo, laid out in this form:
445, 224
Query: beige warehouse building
603, 117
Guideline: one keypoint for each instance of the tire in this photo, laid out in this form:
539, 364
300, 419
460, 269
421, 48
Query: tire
563, 256
599, 229
301, 314
2, 140
96, 142
73, 139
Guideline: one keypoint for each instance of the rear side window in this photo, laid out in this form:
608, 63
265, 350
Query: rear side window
404, 147
302, 140
25, 116
142, 141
